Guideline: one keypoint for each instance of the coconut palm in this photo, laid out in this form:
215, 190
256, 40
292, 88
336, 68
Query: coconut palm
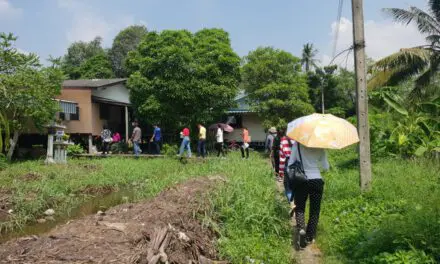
308, 57
422, 62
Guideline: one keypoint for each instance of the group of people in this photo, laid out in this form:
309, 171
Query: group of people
108, 139
284, 152
219, 142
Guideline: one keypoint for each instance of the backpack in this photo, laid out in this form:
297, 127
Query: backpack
296, 177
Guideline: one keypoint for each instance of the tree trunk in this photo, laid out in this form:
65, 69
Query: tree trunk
13, 144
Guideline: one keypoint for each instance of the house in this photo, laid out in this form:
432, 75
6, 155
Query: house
244, 116
88, 105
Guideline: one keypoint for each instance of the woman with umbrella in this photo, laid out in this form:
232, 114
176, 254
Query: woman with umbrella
314, 133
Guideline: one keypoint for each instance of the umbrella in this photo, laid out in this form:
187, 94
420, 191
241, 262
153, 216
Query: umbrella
323, 131
224, 127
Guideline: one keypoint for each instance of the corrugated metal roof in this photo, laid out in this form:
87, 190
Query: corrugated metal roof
92, 83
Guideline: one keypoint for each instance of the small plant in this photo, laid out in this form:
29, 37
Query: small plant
3, 162
65, 137
74, 150
169, 150
119, 147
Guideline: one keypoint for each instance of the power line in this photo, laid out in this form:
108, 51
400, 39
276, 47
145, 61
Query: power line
338, 25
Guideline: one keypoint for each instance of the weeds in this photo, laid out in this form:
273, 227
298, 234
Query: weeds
397, 222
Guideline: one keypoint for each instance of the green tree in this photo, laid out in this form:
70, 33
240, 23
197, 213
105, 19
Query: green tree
422, 62
78, 53
127, 40
97, 67
338, 87
27, 90
308, 57
277, 88
179, 78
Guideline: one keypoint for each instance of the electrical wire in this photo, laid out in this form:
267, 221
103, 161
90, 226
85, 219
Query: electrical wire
338, 25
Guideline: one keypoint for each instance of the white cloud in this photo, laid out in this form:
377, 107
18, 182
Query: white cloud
8, 11
87, 23
382, 39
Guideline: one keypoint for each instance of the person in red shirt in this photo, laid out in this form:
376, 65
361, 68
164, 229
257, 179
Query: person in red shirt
185, 142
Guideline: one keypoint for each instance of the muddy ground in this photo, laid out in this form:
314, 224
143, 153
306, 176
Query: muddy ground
161, 229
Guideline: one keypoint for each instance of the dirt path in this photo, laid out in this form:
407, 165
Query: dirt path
164, 227
311, 254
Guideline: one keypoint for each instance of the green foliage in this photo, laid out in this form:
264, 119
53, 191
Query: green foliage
390, 224
3, 162
127, 40
27, 89
338, 87
277, 88
97, 67
4, 129
119, 147
252, 217
74, 149
77, 54
179, 78
170, 150
420, 62
308, 60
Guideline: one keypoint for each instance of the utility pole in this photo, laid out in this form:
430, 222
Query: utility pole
361, 95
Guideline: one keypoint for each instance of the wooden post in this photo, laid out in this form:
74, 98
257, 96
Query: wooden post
126, 124
361, 95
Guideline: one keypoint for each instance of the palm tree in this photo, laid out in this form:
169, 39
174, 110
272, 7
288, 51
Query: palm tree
421, 62
308, 56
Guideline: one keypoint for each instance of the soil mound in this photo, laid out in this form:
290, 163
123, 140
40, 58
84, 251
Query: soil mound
164, 229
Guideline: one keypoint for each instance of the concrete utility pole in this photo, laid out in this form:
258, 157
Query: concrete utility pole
361, 94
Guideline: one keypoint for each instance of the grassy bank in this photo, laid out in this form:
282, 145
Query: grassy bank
248, 212
397, 222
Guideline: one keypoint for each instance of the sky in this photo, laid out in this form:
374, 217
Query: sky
47, 27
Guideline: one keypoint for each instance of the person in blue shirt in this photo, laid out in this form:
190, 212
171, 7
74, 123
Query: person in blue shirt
156, 139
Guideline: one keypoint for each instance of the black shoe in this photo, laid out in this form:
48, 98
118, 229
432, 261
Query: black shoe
302, 238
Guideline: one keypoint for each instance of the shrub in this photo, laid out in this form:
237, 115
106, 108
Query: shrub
120, 147
74, 149
170, 150
3, 162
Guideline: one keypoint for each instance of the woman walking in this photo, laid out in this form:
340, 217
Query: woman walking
246, 140
185, 143
312, 189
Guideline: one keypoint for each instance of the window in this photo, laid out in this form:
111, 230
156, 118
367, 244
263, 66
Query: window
69, 116
235, 121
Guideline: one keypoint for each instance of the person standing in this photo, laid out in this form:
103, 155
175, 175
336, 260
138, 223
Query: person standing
269, 139
219, 141
246, 140
106, 136
311, 159
156, 139
136, 138
201, 146
285, 153
276, 155
185, 143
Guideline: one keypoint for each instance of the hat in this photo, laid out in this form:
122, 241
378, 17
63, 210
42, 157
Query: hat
272, 130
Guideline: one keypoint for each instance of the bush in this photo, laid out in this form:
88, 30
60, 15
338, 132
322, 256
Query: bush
119, 148
170, 150
3, 162
74, 149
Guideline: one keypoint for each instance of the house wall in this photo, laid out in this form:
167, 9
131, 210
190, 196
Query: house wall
82, 96
116, 92
255, 127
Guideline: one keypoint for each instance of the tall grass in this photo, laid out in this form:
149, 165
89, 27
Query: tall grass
397, 222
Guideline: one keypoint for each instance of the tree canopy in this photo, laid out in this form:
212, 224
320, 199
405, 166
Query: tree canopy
27, 90
277, 88
179, 78
308, 59
77, 54
127, 40
97, 67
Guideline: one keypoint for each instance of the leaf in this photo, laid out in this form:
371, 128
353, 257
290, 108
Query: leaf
420, 151
394, 104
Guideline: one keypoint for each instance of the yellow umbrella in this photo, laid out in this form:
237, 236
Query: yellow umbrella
323, 131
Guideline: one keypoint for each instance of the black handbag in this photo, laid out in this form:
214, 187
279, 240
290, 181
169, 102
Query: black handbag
296, 175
